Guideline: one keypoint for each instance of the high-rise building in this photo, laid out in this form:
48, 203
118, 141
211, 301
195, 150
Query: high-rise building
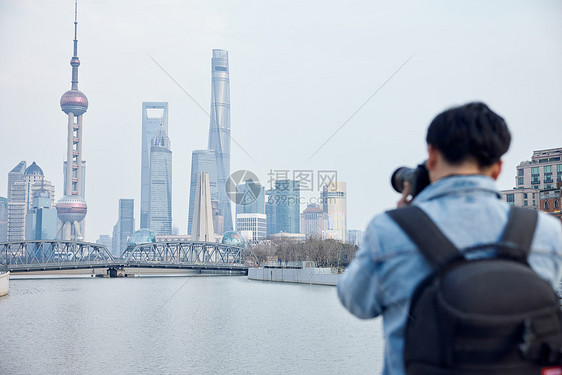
72, 207
255, 224
116, 239
41, 219
202, 161
283, 208
218, 218
253, 198
126, 224
219, 129
314, 221
15, 210
542, 172
154, 116
21, 200
202, 228
15, 175
3, 219
160, 194
334, 202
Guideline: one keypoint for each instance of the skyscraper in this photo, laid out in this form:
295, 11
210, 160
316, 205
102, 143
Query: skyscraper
16, 209
154, 116
160, 194
72, 207
21, 200
253, 198
283, 208
3, 219
202, 161
125, 225
41, 219
219, 129
15, 175
334, 202
314, 221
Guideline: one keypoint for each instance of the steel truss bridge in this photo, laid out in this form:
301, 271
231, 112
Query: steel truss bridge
47, 255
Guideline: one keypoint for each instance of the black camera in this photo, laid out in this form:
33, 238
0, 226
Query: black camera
417, 177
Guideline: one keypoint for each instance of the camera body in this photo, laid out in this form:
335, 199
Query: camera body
417, 177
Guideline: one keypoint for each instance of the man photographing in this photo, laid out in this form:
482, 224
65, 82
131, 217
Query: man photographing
465, 145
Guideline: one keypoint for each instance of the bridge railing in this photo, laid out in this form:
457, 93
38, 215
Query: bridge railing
13, 254
185, 252
50, 254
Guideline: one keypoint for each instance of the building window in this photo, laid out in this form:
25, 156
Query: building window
525, 195
520, 172
556, 204
546, 205
510, 198
534, 204
548, 174
525, 203
535, 176
520, 180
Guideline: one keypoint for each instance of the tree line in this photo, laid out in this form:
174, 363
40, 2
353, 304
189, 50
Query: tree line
326, 253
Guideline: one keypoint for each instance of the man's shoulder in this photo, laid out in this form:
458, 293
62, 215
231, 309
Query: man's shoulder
386, 237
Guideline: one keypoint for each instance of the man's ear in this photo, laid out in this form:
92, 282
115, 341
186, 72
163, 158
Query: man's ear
432, 157
496, 169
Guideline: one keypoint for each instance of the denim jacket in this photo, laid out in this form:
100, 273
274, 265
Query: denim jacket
386, 269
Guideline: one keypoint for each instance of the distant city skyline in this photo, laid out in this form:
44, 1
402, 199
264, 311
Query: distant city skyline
292, 88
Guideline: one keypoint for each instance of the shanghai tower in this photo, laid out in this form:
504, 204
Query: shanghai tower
71, 209
219, 129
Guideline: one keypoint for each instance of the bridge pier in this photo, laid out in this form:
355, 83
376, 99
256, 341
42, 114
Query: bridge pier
116, 272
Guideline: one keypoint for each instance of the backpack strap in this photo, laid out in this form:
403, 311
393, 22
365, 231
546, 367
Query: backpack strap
437, 249
518, 233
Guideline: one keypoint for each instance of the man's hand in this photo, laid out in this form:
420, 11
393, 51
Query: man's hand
406, 198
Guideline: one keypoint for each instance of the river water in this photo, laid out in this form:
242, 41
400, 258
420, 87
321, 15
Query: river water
182, 325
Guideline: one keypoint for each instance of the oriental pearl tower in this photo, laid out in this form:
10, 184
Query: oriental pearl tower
71, 209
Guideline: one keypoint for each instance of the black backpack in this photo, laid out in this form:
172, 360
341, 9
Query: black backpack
484, 316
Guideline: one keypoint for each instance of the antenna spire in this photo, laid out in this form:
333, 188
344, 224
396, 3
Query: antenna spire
75, 27
75, 61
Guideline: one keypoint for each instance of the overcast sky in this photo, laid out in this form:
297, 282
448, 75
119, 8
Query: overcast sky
298, 69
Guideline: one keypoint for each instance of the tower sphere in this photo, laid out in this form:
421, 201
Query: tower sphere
71, 208
74, 101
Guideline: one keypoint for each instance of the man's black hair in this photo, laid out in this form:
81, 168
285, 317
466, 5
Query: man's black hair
471, 131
